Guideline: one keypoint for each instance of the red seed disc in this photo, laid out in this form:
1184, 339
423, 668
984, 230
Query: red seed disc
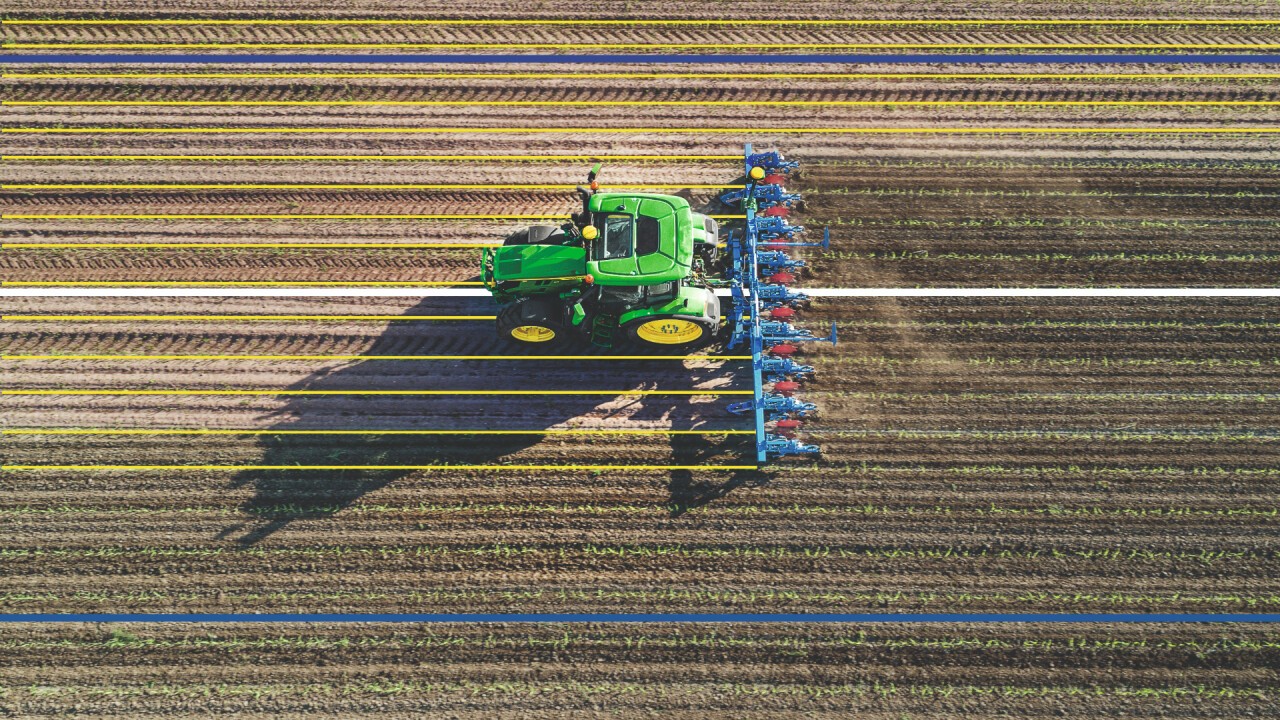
786, 387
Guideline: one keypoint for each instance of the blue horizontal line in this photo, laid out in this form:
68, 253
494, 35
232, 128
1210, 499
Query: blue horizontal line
643, 618
875, 58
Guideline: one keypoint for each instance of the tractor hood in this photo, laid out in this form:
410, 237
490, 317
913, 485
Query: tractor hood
539, 262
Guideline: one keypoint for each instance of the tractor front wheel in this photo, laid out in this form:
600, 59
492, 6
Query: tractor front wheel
671, 331
533, 321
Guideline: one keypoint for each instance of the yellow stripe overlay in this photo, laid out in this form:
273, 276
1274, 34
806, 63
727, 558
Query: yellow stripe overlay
373, 392
349, 186
227, 283
287, 216
344, 158
204, 246
235, 318
645, 22
407, 75
290, 358
743, 131
636, 46
566, 103
243, 468
203, 431
276, 216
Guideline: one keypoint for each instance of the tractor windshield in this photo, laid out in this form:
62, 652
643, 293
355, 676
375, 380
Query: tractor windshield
615, 237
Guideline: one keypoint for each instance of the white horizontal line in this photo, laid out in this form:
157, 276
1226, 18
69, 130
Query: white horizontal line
480, 292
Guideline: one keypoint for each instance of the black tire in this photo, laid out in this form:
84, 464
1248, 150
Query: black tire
645, 331
517, 322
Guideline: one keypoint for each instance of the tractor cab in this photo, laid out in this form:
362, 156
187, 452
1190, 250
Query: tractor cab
637, 239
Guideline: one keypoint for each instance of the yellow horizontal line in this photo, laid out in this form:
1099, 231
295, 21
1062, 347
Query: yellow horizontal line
339, 186
289, 216
242, 468
625, 22
219, 283
379, 158
640, 75
235, 318
639, 46
272, 216
376, 392
574, 103
200, 431
662, 130
357, 246
575, 358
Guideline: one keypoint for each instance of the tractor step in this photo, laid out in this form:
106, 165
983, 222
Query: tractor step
604, 329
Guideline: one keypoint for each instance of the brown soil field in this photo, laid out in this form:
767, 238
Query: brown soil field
749, 671
801, 39
904, 209
819, 9
979, 455
1006, 455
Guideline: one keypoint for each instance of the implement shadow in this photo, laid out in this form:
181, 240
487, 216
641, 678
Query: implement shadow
282, 496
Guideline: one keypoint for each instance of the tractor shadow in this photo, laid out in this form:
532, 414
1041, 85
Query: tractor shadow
280, 497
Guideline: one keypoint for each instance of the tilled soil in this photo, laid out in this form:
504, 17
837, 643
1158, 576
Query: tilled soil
913, 209
980, 9
978, 455
751, 671
1049, 455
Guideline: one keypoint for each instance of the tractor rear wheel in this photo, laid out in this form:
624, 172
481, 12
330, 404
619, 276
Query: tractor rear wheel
672, 331
534, 321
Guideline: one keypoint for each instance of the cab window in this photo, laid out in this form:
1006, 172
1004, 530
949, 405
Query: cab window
648, 235
615, 237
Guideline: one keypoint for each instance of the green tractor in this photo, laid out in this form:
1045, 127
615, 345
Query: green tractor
630, 267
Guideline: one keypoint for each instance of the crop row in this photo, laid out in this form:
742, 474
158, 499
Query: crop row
1072, 223
676, 597
1101, 361
696, 638
870, 471
1052, 164
1040, 397
469, 509
390, 687
1015, 436
450, 255
1097, 256
509, 550
1051, 471
990, 193
1062, 324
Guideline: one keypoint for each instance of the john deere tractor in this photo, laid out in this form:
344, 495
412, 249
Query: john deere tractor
628, 267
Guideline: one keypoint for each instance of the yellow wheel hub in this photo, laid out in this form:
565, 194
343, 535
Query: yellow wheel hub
670, 331
533, 333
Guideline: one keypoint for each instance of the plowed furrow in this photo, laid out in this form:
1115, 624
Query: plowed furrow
712, 90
